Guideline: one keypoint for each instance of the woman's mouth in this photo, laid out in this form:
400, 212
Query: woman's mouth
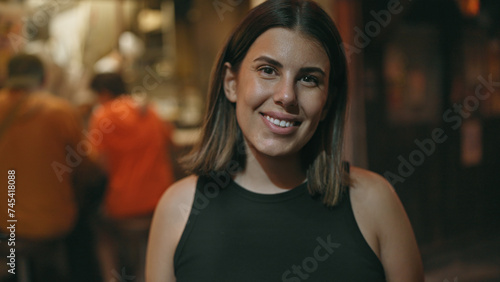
281, 123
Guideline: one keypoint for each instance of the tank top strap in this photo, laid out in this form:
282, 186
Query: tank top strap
346, 207
192, 216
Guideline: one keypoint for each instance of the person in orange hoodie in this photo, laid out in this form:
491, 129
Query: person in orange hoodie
132, 144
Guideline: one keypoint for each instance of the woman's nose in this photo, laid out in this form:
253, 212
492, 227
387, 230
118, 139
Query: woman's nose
285, 94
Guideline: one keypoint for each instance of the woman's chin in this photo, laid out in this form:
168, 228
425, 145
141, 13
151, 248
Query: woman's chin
276, 151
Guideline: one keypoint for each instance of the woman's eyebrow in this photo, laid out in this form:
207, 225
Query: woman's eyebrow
279, 65
269, 61
313, 69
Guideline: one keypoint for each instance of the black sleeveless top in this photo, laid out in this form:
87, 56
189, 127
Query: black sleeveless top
235, 235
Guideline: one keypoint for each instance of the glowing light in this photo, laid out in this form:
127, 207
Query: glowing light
470, 8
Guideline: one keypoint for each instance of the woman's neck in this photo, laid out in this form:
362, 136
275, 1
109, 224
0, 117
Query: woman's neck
269, 175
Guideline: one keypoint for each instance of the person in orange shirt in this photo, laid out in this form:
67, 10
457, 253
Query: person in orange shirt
132, 144
40, 148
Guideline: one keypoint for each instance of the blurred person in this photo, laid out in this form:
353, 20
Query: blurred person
39, 135
133, 147
270, 198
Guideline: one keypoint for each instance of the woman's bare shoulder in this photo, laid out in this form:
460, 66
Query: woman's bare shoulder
374, 200
178, 196
170, 218
384, 223
367, 199
370, 187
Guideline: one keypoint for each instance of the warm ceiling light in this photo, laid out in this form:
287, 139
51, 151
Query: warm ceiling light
470, 8
149, 20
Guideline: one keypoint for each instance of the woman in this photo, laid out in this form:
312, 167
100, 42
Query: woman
270, 199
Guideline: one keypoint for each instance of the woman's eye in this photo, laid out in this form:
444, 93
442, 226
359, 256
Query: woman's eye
267, 70
310, 80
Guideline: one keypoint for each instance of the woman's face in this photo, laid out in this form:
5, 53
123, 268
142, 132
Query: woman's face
280, 91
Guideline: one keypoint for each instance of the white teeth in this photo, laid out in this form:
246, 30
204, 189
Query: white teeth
280, 123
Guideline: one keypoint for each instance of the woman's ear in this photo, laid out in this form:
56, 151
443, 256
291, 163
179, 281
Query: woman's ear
229, 82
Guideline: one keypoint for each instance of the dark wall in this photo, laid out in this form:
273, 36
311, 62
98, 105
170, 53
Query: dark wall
444, 197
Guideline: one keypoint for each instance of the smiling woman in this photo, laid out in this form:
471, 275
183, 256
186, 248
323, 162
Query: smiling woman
280, 93
269, 187
222, 138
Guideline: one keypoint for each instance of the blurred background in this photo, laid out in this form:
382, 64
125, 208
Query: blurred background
424, 88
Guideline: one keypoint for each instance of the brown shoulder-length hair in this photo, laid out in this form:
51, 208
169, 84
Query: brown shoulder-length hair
221, 141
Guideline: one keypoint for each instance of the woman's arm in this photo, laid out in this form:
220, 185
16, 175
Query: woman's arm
169, 220
384, 223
